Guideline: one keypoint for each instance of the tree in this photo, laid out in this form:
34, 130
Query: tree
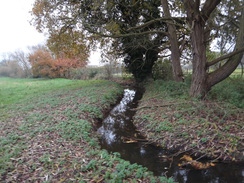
41, 62
197, 18
70, 45
67, 45
69, 51
22, 59
10, 68
140, 50
15, 65
45, 65
120, 19
175, 50
227, 24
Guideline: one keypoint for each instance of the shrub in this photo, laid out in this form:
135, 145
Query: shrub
104, 72
162, 69
84, 73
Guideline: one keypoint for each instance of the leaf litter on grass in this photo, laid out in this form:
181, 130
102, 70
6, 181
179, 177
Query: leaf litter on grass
56, 142
202, 128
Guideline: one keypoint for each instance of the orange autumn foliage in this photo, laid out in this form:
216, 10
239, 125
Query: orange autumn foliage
44, 65
41, 62
62, 66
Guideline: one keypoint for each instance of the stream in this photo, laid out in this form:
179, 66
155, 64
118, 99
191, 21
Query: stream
117, 129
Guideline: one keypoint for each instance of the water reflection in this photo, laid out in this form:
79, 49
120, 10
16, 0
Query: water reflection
115, 121
123, 105
118, 125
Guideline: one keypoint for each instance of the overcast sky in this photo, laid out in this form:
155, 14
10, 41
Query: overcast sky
16, 33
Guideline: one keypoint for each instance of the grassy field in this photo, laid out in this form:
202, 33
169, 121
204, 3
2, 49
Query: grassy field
236, 73
47, 133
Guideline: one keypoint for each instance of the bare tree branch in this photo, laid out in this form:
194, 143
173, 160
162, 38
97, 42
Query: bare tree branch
129, 34
208, 8
215, 61
164, 19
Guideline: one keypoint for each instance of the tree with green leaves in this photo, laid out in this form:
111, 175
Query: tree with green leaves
113, 19
139, 52
196, 22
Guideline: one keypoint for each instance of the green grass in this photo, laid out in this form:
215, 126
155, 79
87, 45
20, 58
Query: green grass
211, 128
13, 90
237, 72
47, 133
230, 90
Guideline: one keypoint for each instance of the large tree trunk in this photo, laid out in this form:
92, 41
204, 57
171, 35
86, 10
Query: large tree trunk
201, 80
197, 21
199, 75
199, 72
175, 51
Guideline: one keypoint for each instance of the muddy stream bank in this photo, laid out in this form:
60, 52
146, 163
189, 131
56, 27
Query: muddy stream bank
118, 134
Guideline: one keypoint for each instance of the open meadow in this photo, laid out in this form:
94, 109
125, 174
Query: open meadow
47, 133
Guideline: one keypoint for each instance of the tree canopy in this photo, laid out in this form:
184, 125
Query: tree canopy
139, 52
144, 29
44, 64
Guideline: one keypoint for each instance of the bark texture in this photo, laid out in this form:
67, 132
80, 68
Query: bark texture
197, 18
175, 51
199, 74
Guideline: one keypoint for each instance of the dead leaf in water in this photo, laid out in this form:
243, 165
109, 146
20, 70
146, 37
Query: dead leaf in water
193, 163
186, 158
130, 141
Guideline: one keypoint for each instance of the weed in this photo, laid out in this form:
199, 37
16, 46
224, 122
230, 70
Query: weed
204, 139
164, 126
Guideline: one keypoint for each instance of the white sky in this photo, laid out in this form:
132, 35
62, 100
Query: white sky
16, 33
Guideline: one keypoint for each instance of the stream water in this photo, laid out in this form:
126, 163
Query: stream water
118, 127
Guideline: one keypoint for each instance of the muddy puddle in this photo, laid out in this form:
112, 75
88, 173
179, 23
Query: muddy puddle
118, 134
